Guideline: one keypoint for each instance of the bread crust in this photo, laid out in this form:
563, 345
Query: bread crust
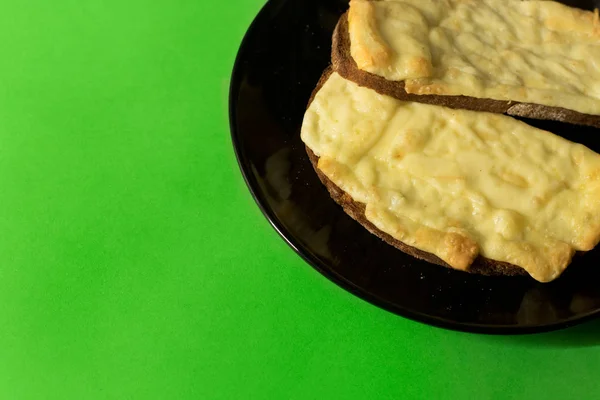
344, 64
356, 210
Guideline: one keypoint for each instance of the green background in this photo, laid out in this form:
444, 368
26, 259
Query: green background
136, 264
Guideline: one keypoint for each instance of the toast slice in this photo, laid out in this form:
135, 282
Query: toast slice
464, 256
356, 210
344, 64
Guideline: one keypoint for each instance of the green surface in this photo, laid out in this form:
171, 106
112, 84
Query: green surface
136, 264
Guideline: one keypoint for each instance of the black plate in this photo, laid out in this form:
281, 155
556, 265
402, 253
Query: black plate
280, 60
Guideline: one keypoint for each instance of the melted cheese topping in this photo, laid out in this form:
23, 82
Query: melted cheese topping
458, 183
539, 52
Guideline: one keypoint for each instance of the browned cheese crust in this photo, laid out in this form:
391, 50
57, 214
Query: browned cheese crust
356, 210
344, 64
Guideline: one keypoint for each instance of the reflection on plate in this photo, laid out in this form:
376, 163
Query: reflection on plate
279, 63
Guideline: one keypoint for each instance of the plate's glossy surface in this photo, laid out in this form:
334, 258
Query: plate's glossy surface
278, 65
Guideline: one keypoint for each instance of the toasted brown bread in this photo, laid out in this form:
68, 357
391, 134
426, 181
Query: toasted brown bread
356, 210
344, 64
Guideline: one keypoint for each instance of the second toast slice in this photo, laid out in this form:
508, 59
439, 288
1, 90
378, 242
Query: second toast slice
559, 81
